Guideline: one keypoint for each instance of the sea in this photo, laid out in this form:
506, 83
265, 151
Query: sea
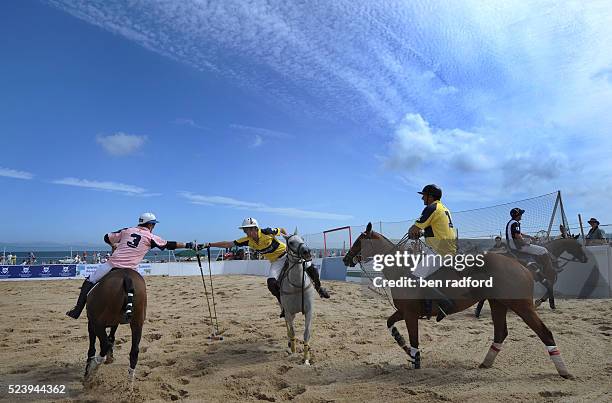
53, 256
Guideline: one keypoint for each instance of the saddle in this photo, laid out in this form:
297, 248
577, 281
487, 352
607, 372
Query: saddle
529, 262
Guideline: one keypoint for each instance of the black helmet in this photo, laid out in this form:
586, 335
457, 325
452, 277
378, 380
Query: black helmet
432, 190
515, 212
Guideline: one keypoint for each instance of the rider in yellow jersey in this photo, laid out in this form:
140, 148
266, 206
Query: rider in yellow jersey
437, 226
264, 241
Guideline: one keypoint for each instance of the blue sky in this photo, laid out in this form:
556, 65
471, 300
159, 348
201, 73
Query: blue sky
312, 114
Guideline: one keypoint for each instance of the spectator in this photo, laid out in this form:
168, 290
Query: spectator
14, 260
596, 235
499, 247
564, 232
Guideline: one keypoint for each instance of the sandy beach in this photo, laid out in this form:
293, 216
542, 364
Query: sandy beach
354, 357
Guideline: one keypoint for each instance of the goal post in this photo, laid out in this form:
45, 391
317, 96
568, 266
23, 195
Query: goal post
335, 239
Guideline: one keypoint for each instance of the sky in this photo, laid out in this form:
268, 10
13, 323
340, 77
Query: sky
307, 114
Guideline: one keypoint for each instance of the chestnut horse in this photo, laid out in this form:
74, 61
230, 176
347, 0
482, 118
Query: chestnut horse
119, 298
510, 278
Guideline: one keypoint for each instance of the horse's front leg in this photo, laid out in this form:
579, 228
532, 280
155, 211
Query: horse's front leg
289, 318
412, 324
307, 333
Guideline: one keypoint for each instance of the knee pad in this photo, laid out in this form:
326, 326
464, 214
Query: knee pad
273, 286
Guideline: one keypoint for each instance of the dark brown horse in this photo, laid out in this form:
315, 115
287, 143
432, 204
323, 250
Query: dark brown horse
510, 278
120, 297
557, 248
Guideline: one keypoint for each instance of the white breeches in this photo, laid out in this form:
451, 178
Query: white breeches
277, 266
100, 272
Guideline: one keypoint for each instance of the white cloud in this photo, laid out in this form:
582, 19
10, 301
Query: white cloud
13, 173
106, 185
121, 144
262, 132
257, 141
260, 207
415, 144
190, 123
465, 163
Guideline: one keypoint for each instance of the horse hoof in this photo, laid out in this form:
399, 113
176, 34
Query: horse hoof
109, 359
483, 366
92, 366
568, 376
307, 363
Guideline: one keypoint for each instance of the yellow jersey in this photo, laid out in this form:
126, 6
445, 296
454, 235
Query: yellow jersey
268, 245
440, 234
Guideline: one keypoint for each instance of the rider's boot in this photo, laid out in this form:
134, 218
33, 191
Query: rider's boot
548, 269
445, 305
78, 308
316, 281
274, 289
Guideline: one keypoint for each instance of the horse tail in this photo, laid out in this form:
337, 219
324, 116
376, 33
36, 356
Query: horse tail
128, 286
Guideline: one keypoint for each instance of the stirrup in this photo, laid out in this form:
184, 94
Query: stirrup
441, 314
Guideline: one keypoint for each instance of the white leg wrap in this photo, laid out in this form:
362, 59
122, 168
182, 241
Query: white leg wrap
555, 356
491, 355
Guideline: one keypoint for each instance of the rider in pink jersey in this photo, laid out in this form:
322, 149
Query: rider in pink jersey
129, 245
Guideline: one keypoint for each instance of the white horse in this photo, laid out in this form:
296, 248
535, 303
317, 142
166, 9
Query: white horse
296, 291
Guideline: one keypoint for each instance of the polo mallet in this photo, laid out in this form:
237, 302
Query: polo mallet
216, 334
213, 335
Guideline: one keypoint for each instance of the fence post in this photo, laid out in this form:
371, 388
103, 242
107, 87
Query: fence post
581, 230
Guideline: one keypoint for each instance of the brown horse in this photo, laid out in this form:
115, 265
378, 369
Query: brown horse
510, 278
119, 298
557, 248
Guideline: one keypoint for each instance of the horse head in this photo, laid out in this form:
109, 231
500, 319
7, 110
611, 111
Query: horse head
356, 253
569, 245
296, 246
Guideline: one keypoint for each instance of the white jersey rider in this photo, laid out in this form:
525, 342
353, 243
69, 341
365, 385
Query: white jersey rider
516, 241
129, 246
264, 241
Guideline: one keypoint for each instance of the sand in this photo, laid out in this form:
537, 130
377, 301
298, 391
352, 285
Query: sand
354, 357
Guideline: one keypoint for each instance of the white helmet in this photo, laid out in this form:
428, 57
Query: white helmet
147, 218
249, 223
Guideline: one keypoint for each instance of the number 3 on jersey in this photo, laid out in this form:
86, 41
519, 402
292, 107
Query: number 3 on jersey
136, 240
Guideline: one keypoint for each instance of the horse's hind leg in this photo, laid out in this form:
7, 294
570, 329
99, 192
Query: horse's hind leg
136, 335
525, 310
111, 339
93, 361
289, 318
500, 331
91, 353
307, 333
